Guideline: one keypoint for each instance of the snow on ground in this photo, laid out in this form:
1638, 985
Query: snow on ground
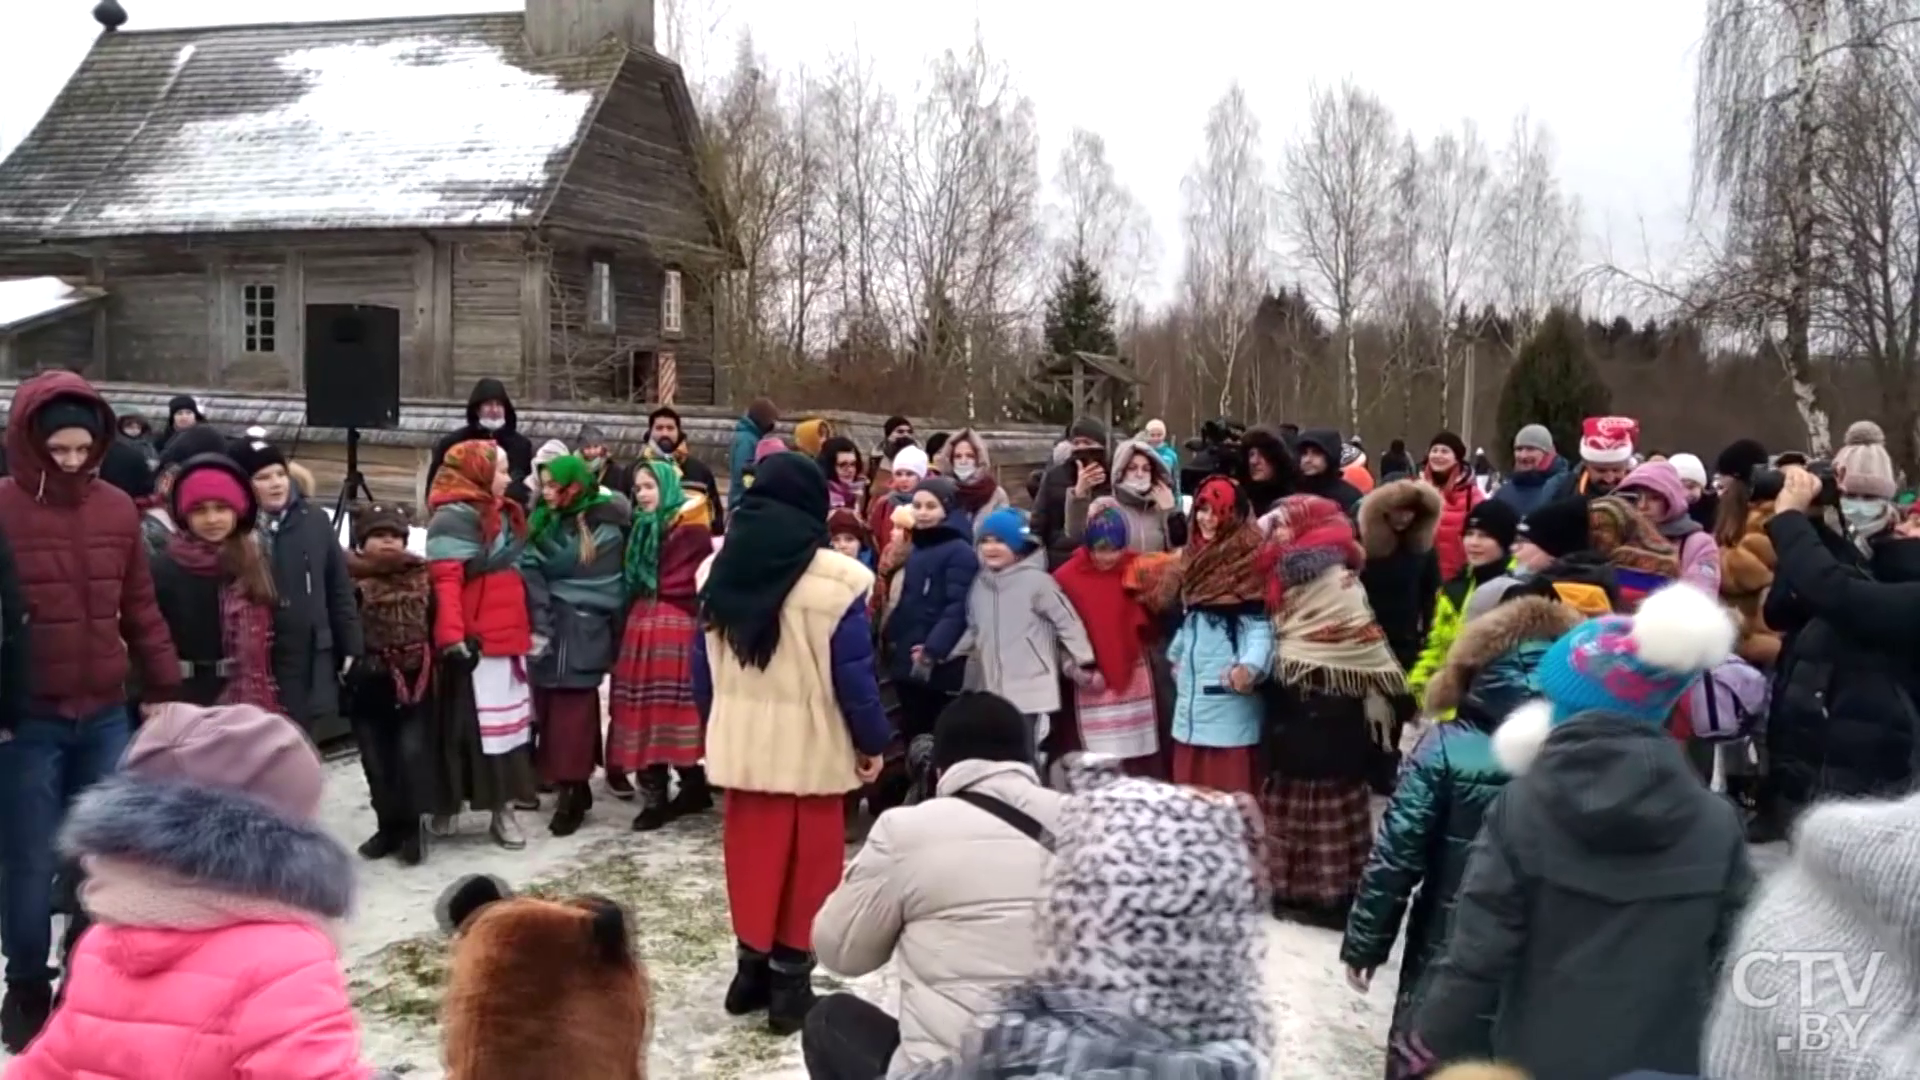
672, 883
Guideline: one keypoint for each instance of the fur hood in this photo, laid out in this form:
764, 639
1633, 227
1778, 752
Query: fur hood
302, 478
943, 461
216, 839
1491, 636
1379, 538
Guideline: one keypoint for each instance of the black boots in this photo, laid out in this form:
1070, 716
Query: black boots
655, 808
378, 846
570, 809
752, 986
792, 997
657, 811
619, 785
24, 1013
695, 796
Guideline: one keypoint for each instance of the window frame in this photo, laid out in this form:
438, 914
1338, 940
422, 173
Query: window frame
260, 318
673, 299
602, 309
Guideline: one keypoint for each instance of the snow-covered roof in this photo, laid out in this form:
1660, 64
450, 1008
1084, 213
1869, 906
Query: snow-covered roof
25, 300
393, 123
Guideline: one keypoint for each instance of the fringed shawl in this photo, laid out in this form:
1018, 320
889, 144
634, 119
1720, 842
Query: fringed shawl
1326, 638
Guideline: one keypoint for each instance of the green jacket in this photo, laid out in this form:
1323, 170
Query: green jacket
1449, 614
1444, 790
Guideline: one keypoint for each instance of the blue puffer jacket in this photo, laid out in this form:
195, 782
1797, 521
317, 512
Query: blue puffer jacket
933, 594
1207, 644
1528, 491
1445, 789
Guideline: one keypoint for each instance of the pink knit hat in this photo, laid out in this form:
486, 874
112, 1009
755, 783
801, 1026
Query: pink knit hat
1862, 466
236, 748
767, 447
212, 485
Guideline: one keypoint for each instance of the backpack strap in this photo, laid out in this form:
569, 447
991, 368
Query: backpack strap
1011, 815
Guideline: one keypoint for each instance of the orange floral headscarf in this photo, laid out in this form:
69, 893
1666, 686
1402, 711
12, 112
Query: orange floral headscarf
466, 476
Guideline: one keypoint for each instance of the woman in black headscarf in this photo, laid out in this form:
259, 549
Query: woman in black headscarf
783, 674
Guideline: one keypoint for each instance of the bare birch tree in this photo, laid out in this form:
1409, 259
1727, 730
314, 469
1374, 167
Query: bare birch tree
1336, 186
1535, 230
1227, 234
1457, 196
1765, 70
1097, 219
859, 126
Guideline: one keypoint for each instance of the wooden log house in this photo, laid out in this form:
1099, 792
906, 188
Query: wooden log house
522, 186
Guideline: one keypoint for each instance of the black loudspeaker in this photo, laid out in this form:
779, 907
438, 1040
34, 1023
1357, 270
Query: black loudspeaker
353, 366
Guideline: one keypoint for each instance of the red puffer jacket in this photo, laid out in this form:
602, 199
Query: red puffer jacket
83, 567
1458, 497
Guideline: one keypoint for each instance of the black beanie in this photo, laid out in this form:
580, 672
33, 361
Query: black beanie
252, 455
1558, 528
64, 411
1452, 442
886, 430
189, 443
1495, 518
978, 726
1088, 428
1739, 460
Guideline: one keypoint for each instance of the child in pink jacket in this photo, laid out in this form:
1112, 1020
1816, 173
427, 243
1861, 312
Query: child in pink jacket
214, 897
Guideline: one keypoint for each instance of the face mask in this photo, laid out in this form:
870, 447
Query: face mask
1864, 516
965, 470
493, 423
1137, 485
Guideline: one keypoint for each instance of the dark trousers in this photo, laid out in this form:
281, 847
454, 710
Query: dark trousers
922, 700
847, 1038
49, 761
391, 736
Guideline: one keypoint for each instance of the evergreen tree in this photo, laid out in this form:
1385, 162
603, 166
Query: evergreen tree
1079, 318
1553, 383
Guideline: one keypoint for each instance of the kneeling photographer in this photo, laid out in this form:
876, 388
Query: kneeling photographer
1843, 719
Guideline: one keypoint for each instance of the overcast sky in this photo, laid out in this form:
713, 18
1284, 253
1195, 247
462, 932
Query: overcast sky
1611, 78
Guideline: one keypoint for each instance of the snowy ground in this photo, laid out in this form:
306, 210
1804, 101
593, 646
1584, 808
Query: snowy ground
671, 881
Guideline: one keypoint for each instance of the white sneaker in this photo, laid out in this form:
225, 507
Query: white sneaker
506, 830
443, 825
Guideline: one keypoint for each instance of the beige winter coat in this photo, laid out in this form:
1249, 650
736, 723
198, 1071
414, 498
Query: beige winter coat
951, 891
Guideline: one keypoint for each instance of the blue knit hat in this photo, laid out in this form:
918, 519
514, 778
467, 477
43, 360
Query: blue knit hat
1009, 526
1638, 667
1106, 526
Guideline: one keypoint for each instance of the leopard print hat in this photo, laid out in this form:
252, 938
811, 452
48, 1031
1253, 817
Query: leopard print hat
1157, 905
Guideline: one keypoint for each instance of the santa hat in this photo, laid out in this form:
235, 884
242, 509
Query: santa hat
1639, 667
1608, 440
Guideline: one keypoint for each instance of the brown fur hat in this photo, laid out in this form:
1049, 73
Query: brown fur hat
541, 989
1378, 536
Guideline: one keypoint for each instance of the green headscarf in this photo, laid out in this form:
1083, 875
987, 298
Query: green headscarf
568, 471
650, 529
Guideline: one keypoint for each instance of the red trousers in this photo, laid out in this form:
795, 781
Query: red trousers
784, 855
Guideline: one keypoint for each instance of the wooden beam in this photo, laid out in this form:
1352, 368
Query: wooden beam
292, 343
536, 330
441, 359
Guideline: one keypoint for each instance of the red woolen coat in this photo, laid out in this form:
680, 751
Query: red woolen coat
83, 567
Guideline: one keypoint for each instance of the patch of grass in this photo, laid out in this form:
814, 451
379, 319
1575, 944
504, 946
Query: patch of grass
674, 888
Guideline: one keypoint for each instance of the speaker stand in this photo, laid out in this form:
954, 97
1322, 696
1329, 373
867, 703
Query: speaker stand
354, 485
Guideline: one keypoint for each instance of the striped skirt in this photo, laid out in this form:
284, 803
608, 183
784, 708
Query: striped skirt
653, 718
1120, 721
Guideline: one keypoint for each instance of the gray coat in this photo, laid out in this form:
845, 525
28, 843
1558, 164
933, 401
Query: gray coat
317, 624
1018, 623
579, 609
1595, 912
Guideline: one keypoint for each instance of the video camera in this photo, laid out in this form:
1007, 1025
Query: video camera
1767, 480
1216, 452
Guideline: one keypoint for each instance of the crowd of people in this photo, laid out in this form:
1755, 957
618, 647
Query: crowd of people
1099, 742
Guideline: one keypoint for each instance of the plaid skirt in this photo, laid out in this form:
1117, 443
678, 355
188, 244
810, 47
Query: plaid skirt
1319, 833
653, 718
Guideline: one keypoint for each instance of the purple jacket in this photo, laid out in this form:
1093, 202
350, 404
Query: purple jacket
856, 685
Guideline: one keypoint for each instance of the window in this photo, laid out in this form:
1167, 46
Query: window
670, 304
260, 318
600, 296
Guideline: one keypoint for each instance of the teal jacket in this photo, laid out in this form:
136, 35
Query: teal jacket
1445, 789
